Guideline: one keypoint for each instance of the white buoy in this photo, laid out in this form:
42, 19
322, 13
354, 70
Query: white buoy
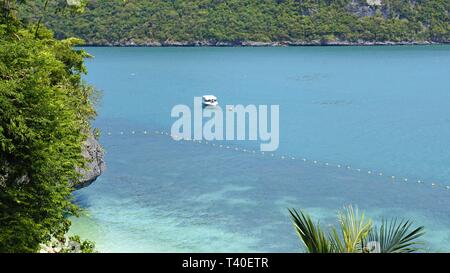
406, 179
432, 184
369, 172
315, 162
418, 181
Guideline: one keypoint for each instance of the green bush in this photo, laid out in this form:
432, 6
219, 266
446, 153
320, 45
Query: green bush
45, 110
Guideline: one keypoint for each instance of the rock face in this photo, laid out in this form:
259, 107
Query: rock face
67, 245
95, 166
150, 43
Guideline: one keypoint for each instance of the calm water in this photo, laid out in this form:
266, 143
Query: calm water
377, 109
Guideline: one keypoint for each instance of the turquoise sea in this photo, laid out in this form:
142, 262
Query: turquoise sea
358, 115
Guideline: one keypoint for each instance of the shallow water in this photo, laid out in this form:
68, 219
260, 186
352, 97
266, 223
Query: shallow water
378, 109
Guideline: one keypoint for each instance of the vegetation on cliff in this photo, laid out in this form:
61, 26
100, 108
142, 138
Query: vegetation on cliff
113, 22
45, 110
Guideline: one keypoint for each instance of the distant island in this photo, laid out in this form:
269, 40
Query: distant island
251, 22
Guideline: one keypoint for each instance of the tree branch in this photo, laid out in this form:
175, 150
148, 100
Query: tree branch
40, 19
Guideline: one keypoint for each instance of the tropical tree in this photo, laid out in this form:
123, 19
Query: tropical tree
394, 236
354, 228
45, 114
357, 234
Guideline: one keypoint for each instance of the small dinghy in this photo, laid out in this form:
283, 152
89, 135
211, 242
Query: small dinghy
210, 100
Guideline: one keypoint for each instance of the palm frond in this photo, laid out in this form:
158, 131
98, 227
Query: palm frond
310, 234
354, 229
357, 234
396, 237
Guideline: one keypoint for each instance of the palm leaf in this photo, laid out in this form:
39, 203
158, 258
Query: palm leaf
396, 236
310, 234
354, 229
357, 234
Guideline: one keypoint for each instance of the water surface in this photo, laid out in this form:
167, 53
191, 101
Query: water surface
376, 109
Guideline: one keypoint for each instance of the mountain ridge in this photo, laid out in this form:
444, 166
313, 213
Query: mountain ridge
273, 22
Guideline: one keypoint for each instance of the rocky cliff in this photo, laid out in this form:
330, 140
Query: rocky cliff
95, 165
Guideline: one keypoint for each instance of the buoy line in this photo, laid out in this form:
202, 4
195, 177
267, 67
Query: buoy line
393, 178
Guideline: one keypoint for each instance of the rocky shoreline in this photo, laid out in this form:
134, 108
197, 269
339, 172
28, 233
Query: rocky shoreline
95, 166
207, 43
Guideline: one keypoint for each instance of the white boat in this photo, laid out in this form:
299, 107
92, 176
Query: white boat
210, 100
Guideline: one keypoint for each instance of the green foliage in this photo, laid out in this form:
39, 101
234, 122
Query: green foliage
45, 110
311, 234
86, 246
396, 237
354, 228
357, 234
141, 21
97, 133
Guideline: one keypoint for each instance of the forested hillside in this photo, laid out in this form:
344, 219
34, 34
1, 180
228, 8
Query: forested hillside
142, 22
